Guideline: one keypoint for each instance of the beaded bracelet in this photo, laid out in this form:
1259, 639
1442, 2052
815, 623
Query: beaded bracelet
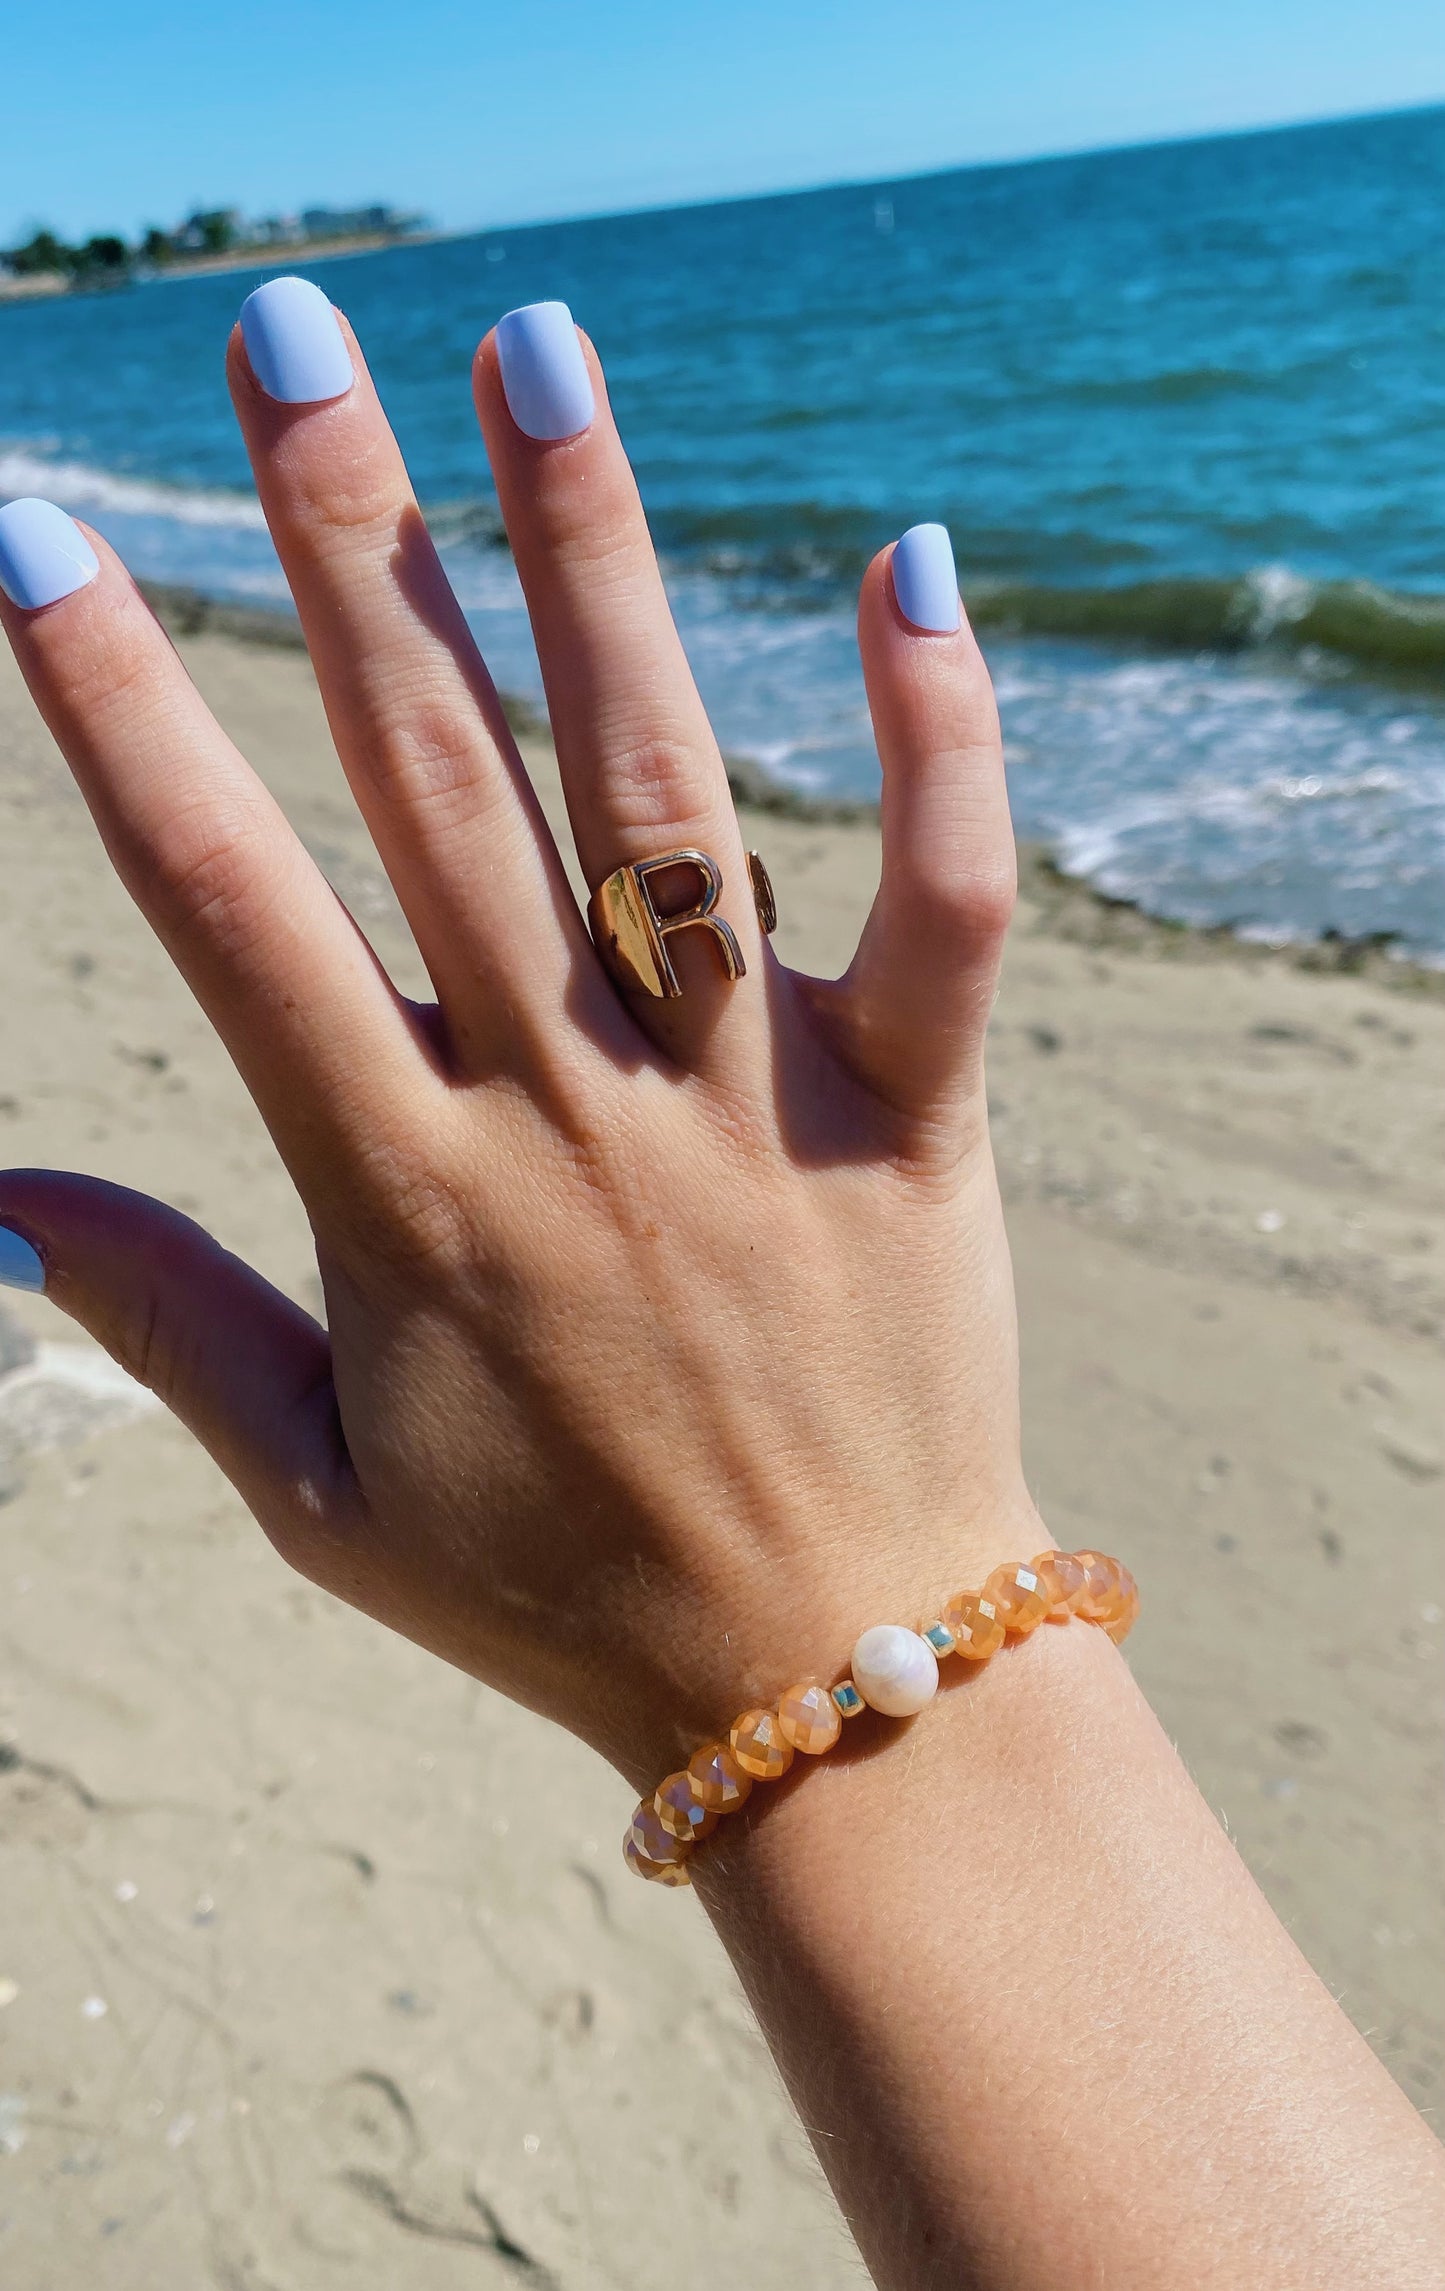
893, 1670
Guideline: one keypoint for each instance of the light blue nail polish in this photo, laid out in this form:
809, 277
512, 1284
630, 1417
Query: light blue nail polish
20, 1266
297, 351
924, 580
44, 556
544, 373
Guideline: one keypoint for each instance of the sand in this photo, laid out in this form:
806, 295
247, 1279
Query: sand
318, 1963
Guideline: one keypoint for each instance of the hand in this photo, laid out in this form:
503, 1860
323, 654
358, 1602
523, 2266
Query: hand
670, 1342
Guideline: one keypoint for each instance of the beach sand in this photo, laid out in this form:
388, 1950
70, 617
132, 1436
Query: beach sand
318, 1963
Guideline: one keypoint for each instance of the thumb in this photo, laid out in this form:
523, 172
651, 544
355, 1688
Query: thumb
242, 1367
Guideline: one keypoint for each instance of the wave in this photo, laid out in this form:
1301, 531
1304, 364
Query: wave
76, 485
804, 553
800, 555
1385, 631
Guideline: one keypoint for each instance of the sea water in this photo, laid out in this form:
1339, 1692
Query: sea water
1182, 407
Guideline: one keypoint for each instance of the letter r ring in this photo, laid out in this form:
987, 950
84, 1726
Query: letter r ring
632, 936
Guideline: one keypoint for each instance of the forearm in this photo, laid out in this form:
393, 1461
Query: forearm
1044, 2030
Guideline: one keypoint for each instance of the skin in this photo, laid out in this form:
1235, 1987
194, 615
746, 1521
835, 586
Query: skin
669, 1343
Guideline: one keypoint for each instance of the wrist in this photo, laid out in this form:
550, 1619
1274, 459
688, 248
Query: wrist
990, 1726
894, 1671
899, 1922
782, 1617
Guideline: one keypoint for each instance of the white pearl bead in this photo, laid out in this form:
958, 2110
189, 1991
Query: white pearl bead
894, 1670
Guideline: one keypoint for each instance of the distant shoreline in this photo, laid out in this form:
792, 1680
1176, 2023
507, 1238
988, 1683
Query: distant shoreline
37, 286
304, 254
43, 285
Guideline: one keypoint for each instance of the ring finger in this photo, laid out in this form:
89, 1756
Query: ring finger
640, 766
416, 720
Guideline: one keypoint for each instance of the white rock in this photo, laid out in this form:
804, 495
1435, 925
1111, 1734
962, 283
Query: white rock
895, 1670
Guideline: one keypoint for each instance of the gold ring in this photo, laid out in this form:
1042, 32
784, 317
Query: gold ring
632, 936
763, 897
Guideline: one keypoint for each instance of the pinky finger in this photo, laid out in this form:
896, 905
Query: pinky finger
921, 986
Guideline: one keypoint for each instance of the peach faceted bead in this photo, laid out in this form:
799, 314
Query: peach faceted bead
1121, 1624
652, 1840
976, 1625
680, 1809
658, 1872
809, 1718
1102, 1597
1018, 1596
718, 1778
893, 1670
760, 1746
1061, 1578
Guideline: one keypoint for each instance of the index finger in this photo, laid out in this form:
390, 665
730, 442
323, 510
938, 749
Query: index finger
317, 1031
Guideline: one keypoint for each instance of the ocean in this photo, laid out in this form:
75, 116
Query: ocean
1183, 408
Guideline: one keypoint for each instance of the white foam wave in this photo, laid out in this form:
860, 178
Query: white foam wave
1278, 596
75, 485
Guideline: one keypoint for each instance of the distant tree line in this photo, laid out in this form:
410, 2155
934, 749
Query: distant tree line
107, 259
45, 252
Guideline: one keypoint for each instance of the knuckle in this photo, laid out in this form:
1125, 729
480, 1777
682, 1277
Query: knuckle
302, 1535
662, 784
404, 1208
596, 529
313, 1519
206, 879
425, 1215
988, 898
298, 1541
968, 907
429, 756
150, 1345
350, 489
114, 678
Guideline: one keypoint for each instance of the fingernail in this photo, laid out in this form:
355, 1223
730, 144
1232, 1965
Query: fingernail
44, 556
20, 1266
924, 579
544, 373
297, 351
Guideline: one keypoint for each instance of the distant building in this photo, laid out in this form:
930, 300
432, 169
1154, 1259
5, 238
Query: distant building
209, 232
357, 222
276, 231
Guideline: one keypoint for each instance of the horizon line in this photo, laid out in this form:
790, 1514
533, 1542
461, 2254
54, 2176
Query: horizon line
663, 206
609, 212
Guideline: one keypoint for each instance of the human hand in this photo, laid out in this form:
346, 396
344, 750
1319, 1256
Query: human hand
672, 1342
669, 1342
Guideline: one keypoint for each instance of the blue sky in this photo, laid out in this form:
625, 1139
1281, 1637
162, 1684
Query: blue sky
120, 112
